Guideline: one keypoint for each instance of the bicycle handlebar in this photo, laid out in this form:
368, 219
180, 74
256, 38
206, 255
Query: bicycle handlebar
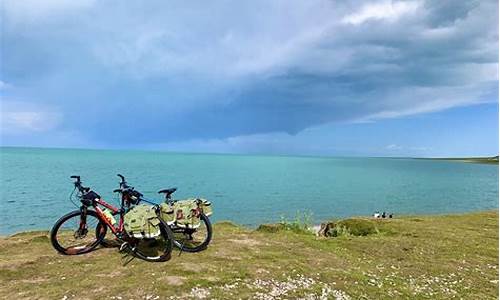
78, 184
122, 178
128, 191
123, 185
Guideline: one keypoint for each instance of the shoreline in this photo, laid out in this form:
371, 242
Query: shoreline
476, 160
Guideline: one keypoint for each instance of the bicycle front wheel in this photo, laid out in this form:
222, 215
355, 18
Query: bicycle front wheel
76, 233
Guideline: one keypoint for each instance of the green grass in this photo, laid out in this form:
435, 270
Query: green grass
354, 227
417, 257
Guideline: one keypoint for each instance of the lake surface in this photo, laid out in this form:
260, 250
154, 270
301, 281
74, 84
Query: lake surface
35, 184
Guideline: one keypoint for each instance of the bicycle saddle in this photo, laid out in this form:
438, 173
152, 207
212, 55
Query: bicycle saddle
168, 192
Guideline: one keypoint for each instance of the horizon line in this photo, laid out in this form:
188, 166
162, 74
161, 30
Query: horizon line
242, 154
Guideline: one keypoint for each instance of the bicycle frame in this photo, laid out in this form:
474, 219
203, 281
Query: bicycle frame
102, 216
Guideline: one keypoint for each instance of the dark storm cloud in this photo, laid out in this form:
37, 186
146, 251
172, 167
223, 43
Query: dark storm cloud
126, 73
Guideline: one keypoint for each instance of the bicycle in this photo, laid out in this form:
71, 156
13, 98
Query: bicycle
70, 234
184, 238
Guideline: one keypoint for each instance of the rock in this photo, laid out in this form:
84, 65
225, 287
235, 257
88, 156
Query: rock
325, 229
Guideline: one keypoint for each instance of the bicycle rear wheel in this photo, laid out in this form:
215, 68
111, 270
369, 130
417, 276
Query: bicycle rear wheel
154, 249
193, 240
75, 233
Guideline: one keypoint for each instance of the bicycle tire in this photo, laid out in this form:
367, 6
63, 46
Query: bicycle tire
167, 235
188, 247
56, 232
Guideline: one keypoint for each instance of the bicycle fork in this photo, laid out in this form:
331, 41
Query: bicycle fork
82, 227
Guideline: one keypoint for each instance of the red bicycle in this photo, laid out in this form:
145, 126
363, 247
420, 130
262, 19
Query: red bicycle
80, 231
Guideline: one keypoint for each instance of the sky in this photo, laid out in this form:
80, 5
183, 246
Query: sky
341, 78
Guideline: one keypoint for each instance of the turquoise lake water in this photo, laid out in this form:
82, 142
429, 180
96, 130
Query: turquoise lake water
249, 190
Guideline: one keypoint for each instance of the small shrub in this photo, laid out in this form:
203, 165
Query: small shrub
272, 228
354, 227
301, 224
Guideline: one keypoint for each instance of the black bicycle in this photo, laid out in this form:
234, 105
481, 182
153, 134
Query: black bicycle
82, 230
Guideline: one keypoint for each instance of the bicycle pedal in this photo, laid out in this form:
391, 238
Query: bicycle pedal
123, 246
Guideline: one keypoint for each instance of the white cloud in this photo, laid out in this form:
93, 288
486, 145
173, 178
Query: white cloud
239, 44
4, 85
33, 11
18, 117
408, 101
396, 148
420, 148
386, 10
393, 147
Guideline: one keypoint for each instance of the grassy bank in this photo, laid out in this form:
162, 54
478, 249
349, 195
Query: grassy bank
424, 257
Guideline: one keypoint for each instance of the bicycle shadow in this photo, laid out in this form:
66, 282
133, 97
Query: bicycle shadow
128, 255
110, 243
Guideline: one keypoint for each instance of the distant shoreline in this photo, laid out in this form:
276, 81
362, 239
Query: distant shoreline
476, 160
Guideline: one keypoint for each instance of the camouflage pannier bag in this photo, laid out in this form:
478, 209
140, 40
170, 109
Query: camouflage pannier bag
205, 206
167, 213
142, 222
185, 213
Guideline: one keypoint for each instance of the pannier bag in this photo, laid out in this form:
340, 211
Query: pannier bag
185, 213
142, 222
167, 213
205, 206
